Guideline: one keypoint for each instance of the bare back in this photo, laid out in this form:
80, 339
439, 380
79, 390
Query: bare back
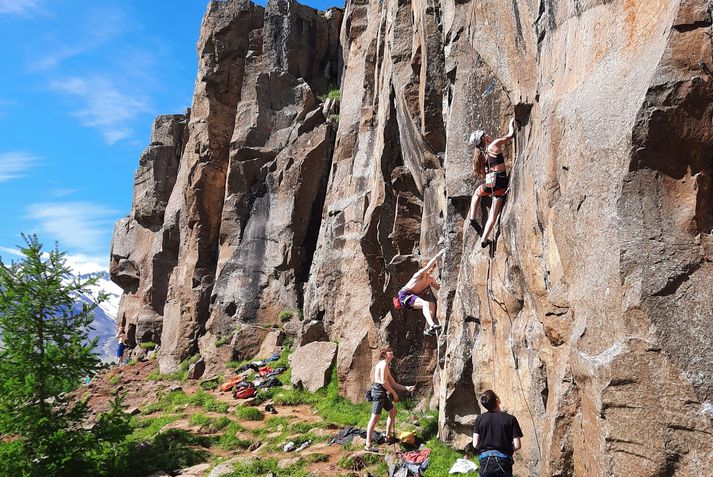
419, 281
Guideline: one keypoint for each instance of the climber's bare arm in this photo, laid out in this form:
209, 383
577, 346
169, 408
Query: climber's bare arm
431, 263
497, 144
389, 382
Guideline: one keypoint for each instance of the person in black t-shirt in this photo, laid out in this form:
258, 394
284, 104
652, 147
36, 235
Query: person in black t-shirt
496, 436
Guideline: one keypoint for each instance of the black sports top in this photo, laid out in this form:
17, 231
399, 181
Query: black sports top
495, 160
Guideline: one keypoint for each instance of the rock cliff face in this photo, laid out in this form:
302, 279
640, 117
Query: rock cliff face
590, 316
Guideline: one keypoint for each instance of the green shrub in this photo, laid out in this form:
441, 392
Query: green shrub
147, 345
337, 409
247, 413
259, 467
147, 428
359, 461
221, 340
212, 383
285, 315
316, 457
115, 379
333, 94
220, 423
200, 420
301, 427
293, 397
175, 401
229, 440
180, 375
428, 425
167, 451
273, 423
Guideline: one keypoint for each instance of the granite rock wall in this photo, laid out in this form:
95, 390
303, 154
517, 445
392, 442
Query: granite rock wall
589, 316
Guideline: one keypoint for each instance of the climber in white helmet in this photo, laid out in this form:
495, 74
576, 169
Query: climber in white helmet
488, 160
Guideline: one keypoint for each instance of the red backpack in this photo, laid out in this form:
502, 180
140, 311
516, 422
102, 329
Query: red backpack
244, 390
397, 303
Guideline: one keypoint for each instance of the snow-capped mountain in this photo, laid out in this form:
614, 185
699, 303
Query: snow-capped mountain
104, 325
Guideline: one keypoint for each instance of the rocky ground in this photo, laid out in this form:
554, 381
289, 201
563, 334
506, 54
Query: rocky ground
211, 434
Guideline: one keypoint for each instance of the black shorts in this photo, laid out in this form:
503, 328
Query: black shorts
381, 399
502, 181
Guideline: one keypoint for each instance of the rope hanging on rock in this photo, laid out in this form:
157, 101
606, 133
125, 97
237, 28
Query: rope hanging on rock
491, 297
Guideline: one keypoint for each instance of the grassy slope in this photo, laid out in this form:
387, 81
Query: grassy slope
184, 428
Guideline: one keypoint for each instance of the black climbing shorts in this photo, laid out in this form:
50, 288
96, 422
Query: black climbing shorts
381, 399
502, 181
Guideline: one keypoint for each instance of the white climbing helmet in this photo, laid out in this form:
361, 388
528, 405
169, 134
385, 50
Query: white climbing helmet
476, 137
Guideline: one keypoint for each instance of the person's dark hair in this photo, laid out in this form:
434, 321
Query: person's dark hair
489, 400
382, 353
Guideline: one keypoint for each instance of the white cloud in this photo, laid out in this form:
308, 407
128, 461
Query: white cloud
19, 7
14, 164
10, 251
89, 36
79, 263
102, 105
63, 192
82, 264
82, 226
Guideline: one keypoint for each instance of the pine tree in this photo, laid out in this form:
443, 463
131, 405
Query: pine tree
45, 352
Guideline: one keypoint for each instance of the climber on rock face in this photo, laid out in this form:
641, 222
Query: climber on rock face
408, 295
489, 161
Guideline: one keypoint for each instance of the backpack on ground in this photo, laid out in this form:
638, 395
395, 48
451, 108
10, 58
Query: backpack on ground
244, 390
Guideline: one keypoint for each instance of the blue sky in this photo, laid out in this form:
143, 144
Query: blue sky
80, 84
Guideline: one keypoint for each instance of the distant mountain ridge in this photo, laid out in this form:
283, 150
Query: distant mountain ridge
104, 324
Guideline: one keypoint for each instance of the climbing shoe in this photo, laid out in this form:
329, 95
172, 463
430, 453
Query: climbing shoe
431, 330
474, 223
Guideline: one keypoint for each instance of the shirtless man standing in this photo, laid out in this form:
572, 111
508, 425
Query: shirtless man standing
408, 295
383, 382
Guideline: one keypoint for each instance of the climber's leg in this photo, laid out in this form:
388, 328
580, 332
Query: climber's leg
428, 308
391, 422
370, 428
475, 203
492, 217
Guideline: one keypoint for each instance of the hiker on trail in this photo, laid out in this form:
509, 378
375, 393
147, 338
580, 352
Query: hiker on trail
383, 383
408, 295
496, 436
120, 348
489, 161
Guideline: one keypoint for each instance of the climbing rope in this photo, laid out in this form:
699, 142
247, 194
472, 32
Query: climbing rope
491, 297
